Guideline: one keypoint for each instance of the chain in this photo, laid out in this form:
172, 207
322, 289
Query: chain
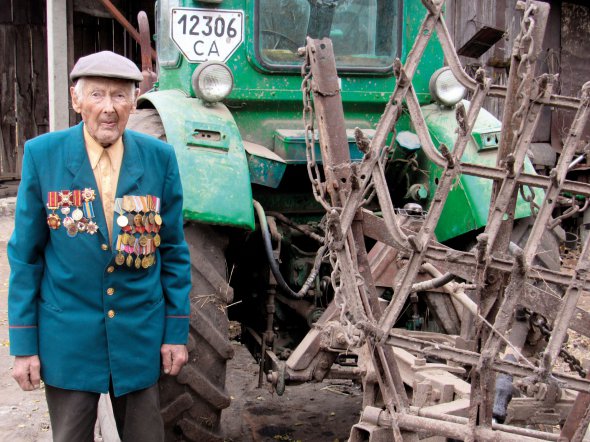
308, 120
530, 198
524, 69
352, 316
541, 323
571, 211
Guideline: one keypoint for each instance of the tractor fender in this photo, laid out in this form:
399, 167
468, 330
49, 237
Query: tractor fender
468, 203
211, 158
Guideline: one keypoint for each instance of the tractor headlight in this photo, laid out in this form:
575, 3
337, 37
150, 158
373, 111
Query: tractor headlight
212, 81
445, 88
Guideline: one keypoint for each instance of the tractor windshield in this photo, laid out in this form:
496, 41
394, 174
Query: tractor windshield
365, 33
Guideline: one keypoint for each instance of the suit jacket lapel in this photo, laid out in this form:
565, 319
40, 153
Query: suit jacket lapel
79, 166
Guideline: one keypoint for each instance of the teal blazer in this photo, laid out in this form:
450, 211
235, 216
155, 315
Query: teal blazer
88, 318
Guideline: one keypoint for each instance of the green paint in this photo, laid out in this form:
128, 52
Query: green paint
214, 173
253, 143
468, 203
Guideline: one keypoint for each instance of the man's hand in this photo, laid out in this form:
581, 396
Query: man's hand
173, 358
27, 372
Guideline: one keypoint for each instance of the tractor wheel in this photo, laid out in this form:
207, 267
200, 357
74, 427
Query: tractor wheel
147, 121
192, 402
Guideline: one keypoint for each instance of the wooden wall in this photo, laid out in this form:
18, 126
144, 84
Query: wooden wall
24, 108
566, 51
23, 80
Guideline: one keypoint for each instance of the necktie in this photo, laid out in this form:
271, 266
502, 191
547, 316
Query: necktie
107, 196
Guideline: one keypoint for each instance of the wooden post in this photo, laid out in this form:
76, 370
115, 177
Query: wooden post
57, 70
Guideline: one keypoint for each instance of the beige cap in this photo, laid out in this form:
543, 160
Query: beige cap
106, 64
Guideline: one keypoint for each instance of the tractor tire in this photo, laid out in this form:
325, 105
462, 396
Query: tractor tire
192, 402
147, 121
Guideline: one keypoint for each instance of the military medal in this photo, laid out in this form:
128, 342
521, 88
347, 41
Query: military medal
77, 202
157, 217
120, 259
91, 227
157, 240
122, 220
72, 229
129, 260
88, 194
81, 225
77, 214
53, 221
138, 262
65, 200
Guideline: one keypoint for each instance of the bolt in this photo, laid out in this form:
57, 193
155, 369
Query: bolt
340, 339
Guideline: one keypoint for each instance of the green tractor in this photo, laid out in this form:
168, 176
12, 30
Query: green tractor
228, 97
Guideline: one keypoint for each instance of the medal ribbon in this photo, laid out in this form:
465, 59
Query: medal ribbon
77, 194
128, 203
88, 210
52, 203
144, 206
137, 202
119, 205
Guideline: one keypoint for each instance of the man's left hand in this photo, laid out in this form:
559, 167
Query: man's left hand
173, 358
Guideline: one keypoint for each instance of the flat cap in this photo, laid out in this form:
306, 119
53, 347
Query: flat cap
106, 64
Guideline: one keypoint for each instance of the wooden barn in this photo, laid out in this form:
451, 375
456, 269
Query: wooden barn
483, 31
25, 87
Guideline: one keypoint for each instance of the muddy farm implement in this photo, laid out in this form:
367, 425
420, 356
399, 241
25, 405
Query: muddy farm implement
423, 258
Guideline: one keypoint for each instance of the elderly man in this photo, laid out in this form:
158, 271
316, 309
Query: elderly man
100, 270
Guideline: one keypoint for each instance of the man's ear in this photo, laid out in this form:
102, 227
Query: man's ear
136, 95
75, 102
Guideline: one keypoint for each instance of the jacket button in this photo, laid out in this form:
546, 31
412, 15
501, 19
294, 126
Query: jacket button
111, 313
110, 291
110, 269
104, 247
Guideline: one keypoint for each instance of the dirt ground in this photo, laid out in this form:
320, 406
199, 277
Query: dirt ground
307, 413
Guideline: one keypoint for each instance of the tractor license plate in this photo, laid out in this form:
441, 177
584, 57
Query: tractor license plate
207, 34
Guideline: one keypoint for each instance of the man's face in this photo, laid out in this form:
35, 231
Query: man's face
105, 105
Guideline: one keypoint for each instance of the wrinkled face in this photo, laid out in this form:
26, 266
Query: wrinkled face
105, 105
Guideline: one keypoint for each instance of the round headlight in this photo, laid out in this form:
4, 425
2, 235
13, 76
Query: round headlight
445, 88
212, 81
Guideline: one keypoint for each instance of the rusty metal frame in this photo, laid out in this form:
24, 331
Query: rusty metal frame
346, 187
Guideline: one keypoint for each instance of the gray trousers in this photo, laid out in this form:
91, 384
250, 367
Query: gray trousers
73, 415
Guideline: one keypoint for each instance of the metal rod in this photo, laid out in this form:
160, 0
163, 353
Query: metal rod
125, 23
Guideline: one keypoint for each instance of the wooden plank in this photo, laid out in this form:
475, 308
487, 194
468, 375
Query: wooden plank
25, 127
105, 35
6, 12
549, 63
21, 12
7, 105
575, 62
40, 102
38, 13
